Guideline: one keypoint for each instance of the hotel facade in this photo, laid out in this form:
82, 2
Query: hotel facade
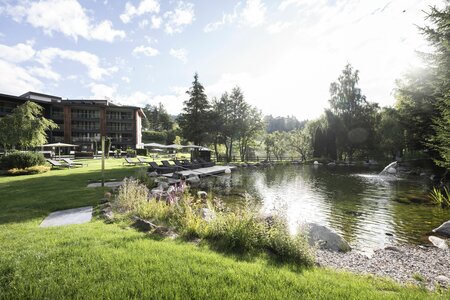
83, 122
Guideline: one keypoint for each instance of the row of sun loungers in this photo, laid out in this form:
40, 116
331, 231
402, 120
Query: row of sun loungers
65, 163
167, 167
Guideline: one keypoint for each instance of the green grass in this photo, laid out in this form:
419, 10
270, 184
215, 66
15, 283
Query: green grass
101, 261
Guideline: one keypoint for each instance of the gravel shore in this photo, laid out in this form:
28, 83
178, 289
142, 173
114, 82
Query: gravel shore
428, 266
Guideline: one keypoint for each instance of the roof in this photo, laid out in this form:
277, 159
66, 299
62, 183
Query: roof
29, 93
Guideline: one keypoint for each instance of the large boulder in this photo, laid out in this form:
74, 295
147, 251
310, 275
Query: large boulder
438, 242
444, 229
326, 238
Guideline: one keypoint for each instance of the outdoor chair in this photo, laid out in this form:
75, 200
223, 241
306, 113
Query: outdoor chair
131, 162
192, 165
71, 163
182, 165
57, 164
159, 169
168, 165
142, 160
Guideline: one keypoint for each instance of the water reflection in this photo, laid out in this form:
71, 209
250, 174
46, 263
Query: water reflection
353, 201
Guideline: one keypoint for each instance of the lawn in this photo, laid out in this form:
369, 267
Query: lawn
111, 261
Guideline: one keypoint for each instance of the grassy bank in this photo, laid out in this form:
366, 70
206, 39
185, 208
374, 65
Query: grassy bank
96, 260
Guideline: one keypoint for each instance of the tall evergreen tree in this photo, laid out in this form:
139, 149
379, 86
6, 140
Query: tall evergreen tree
195, 118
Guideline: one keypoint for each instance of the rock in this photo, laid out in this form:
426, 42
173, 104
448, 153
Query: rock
202, 194
392, 248
443, 280
107, 213
163, 185
104, 200
326, 238
444, 229
152, 174
316, 162
207, 214
392, 170
143, 225
423, 174
438, 242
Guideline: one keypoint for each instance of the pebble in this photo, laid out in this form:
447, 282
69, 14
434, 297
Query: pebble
397, 262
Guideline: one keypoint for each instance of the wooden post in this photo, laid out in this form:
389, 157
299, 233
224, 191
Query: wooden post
103, 160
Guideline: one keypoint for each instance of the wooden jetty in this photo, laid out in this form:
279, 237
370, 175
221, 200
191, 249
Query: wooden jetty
202, 172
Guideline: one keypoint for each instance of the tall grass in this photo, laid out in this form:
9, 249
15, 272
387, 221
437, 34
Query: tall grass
131, 196
440, 197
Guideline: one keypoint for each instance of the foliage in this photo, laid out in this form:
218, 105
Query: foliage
25, 126
142, 152
21, 160
143, 178
288, 123
391, 132
131, 196
157, 118
154, 136
301, 142
131, 152
440, 197
195, 117
29, 170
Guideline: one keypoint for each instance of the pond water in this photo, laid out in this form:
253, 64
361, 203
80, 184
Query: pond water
370, 211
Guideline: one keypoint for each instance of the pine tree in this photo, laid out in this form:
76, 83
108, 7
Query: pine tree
194, 121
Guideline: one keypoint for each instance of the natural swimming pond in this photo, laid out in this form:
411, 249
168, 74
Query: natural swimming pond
368, 210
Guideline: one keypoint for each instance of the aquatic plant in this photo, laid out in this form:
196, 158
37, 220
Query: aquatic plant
440, 197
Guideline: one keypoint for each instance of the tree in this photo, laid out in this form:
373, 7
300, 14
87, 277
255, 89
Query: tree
301, 142
195, 118
391, 132
157, 118
439, 37
356, 114
25, 127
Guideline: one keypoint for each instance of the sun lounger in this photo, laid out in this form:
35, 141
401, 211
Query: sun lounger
168, 165
204, 163
131, 162
182, 165
160, 169
57, 164
73, 163
142, 160
192, 165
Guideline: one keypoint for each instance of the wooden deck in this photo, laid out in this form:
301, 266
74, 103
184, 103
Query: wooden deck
203, 172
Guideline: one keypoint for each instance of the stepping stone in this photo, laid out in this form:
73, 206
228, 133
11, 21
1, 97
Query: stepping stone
107, 184
68, 217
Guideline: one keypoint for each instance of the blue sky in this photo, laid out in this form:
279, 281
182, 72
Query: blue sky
283, 54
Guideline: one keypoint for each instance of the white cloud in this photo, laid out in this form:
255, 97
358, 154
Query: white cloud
156, 22
65, 16
46, 73
253, 13
278, 27
16, 80
180, 54
143, 23
102, 91
177, 19
144, 7
18, 53
125, 79
89, 60
148, 51
226, 19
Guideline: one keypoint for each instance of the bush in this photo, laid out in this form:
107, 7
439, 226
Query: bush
29, 171
154, 136
131, 196
84, 154
142, 152
22, 160
131, 153
142, 177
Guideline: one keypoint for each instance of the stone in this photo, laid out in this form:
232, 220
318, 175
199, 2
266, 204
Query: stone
152, 174
193, 179
438, 242
443, 230
68, 217
104, 200
143, 225
207, 214
392, 248
316, 162
202, 194
326, 238
392, 170
443, 280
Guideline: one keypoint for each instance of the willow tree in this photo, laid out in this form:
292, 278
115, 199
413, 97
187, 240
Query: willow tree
25, 127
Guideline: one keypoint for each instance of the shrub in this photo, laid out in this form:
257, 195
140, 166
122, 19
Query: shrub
131, 152
29, 171
22, 160
142, 152
131, 196
154, 136
142, 177
84, 154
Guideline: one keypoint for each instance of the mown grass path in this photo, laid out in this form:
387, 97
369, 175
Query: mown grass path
101, 261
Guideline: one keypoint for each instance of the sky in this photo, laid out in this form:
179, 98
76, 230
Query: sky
283, 54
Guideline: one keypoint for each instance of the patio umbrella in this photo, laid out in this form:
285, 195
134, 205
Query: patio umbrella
59, 145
